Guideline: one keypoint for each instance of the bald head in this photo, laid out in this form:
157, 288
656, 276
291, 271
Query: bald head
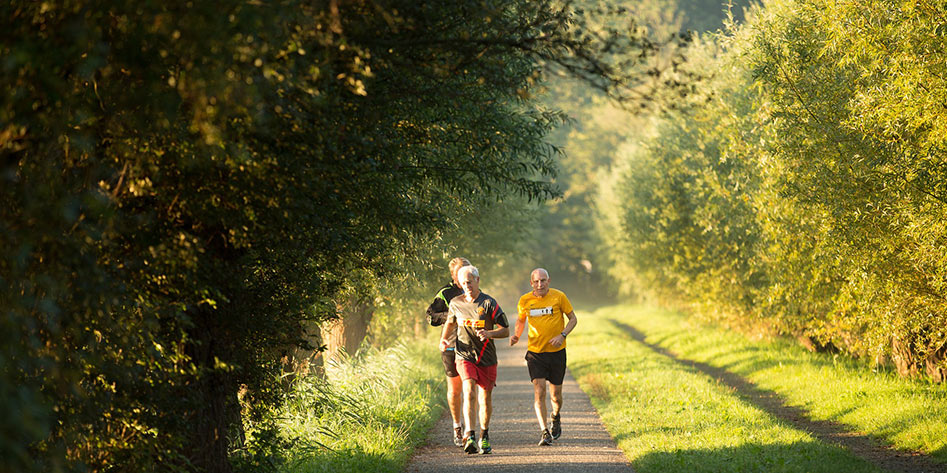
539, 280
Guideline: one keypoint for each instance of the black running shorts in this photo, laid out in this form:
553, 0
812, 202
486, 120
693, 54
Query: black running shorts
549, 365
450, 368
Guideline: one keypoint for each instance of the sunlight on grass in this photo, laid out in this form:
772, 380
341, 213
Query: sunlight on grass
368, 414
907, 413
669, 417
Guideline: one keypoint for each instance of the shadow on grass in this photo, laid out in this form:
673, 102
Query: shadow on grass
880, 454
802, 457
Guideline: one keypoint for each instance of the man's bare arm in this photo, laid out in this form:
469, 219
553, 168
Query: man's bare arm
500, 332
520, 324
445, 333
559, 339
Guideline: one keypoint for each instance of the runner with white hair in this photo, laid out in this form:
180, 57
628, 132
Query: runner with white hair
476, 319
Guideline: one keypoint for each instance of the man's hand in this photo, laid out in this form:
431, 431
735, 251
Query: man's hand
557, 340
482, 335
443, 345
514, 339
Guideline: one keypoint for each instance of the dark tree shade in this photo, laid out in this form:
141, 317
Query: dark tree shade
184, 184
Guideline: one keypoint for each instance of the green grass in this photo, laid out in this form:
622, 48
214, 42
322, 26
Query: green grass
368, 415
667, 416
909, 414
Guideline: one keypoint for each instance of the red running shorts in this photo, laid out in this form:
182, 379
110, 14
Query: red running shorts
485, 376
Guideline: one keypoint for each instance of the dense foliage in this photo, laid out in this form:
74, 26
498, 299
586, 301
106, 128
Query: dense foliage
574, 243
187, 185
806, 192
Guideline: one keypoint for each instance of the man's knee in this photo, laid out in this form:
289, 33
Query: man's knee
539, 387
469, 387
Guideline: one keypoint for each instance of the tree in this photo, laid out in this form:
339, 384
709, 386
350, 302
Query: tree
188, 187
808, 188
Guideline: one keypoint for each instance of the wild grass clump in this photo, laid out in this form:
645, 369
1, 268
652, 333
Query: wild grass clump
366, 413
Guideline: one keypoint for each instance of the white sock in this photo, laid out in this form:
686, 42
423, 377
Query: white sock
457, 424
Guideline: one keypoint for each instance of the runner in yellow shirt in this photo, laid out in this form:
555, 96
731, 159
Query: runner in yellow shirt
547, 310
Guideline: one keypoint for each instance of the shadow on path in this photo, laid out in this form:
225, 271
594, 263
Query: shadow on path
882, 455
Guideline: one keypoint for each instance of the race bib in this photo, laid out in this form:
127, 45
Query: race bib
540, 311
474, 323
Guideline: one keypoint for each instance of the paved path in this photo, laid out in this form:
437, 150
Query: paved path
584, 446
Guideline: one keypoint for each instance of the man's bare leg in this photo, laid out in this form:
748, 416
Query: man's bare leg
539, 401
454, 401
470, 398
555, 395
486, 410
455, 405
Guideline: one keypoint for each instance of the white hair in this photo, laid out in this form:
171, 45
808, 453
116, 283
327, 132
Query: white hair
538, 270
468, 269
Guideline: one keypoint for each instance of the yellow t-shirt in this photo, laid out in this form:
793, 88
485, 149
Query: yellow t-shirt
546, 318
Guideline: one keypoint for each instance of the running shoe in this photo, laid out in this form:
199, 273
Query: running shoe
459, 436
470, 446
485, 445
546, 438
556, 430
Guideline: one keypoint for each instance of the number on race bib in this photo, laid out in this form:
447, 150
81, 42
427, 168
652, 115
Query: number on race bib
540, 311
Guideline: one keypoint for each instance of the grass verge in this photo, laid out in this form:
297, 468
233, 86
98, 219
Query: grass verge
909, 414
667, 416
368, 414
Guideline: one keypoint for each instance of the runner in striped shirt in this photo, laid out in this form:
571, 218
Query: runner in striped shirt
477, 320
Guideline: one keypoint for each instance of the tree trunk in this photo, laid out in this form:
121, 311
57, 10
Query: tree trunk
213, 424
936, 364
904, 358
212, 396
346, 333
